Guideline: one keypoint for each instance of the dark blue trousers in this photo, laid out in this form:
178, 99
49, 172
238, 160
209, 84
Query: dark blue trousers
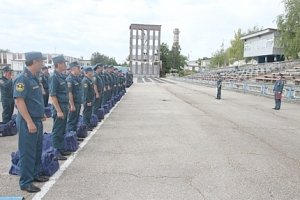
30, 148
59, 127
73, 118
87, 114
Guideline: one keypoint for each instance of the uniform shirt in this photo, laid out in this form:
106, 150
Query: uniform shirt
27, 86
6, 89
279, 85
45, 81
99, 82
58, 87
74, 86
107, 79
88, 90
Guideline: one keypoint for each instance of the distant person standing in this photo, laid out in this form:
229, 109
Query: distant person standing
219, 86
278, 88
6, 85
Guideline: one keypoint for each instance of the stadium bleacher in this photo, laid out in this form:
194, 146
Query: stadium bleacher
260, 73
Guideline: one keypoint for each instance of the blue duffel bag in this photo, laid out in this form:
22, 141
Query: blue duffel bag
4, 131
100, 113
106, 108
94, 120
9, 128
110, 104
82, 130
15, 164
70, 141
49, 162
47, 141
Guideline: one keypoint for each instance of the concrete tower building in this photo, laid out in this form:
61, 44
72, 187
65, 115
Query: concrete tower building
144, 50
176, 36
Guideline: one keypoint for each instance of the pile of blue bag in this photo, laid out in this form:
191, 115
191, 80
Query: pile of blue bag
9, 128
49, 163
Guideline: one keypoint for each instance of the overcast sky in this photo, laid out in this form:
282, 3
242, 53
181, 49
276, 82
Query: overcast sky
81, 27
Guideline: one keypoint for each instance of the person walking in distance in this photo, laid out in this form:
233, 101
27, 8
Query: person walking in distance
278, 88
219, 86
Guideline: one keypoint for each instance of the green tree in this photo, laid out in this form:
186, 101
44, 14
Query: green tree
219, 58
164, 57
289, 27
171, 59
178, 60
101, 58
236, 50
224, 57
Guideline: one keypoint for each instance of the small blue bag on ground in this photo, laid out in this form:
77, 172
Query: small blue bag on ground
70, 141
4, 129
47, 141
100, 114
15, 164
81, 131
106, 108
9, 128
49, 162
94, 120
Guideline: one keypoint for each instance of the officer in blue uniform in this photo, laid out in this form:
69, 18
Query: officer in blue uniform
60, 99
98, 87
30, 104
108, 83
75, 95
6, 85
88, 96
219, 86
45, 83
278, 88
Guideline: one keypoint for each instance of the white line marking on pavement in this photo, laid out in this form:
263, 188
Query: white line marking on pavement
48, 185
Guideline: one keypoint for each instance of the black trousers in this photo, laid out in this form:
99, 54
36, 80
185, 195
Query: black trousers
46, 98
219, 93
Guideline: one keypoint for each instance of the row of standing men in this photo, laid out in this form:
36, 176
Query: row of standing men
90, 88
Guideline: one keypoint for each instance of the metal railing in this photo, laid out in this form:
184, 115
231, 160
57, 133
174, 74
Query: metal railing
290, 92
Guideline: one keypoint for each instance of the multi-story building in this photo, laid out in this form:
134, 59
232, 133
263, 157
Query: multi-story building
144, 50
263, 46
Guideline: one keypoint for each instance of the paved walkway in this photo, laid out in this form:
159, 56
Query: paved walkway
170, 140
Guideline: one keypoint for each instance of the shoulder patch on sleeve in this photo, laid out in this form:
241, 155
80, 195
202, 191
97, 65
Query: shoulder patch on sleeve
20, 87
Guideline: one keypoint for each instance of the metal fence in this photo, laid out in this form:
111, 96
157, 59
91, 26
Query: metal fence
290, 92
